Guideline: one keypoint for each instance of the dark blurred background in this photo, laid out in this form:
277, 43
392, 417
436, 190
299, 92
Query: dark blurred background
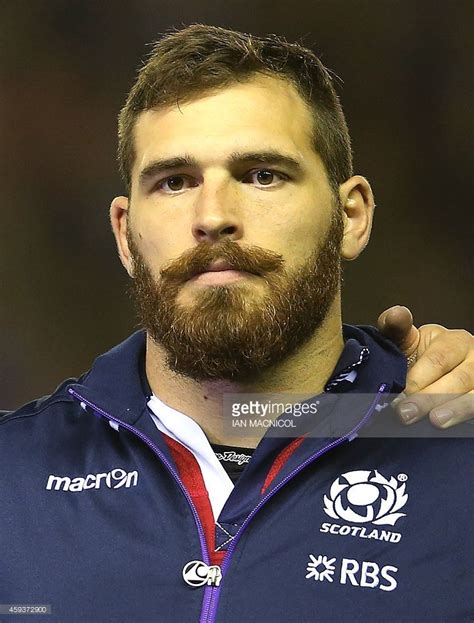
66, 67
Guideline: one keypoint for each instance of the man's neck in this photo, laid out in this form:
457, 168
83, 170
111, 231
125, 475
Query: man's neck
305, 372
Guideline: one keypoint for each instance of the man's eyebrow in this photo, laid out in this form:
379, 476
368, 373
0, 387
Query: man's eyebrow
158, 166
272, 157
266, 157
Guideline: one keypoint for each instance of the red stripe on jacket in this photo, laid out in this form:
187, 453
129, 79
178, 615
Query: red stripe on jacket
191, 475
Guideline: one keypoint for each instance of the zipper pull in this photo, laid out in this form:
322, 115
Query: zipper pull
196, 573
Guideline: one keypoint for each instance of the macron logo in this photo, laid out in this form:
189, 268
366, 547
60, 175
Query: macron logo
115, 479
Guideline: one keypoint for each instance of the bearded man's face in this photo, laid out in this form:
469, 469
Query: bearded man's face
230, 176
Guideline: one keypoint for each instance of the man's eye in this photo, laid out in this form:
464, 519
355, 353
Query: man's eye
172, 184
265, 177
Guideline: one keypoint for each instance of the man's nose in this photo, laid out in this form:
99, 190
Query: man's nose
216, 213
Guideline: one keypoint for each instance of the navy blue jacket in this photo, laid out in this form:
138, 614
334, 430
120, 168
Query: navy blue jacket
96, 521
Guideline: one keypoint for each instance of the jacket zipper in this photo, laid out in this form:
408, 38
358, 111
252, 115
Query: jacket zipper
212, 593
162, 457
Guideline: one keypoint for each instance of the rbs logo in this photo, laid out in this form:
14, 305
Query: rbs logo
368, 574
365, 574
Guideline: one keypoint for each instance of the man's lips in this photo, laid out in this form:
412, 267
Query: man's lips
219, 271
218, 266
219, 276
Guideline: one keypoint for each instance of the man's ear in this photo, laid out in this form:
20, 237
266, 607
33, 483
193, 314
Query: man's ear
119, 220
358, 204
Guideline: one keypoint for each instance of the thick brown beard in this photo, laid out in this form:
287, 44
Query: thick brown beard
224, 334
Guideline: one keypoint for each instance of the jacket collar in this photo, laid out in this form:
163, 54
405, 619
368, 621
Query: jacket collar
117, 381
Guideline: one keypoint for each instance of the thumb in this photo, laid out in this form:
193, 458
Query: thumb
396, 323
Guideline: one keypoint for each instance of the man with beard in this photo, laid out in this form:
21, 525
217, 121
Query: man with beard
241, 205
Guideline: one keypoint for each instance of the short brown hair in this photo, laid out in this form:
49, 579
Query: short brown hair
187, 63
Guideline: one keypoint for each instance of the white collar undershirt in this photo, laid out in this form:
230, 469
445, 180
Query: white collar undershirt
186, 431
